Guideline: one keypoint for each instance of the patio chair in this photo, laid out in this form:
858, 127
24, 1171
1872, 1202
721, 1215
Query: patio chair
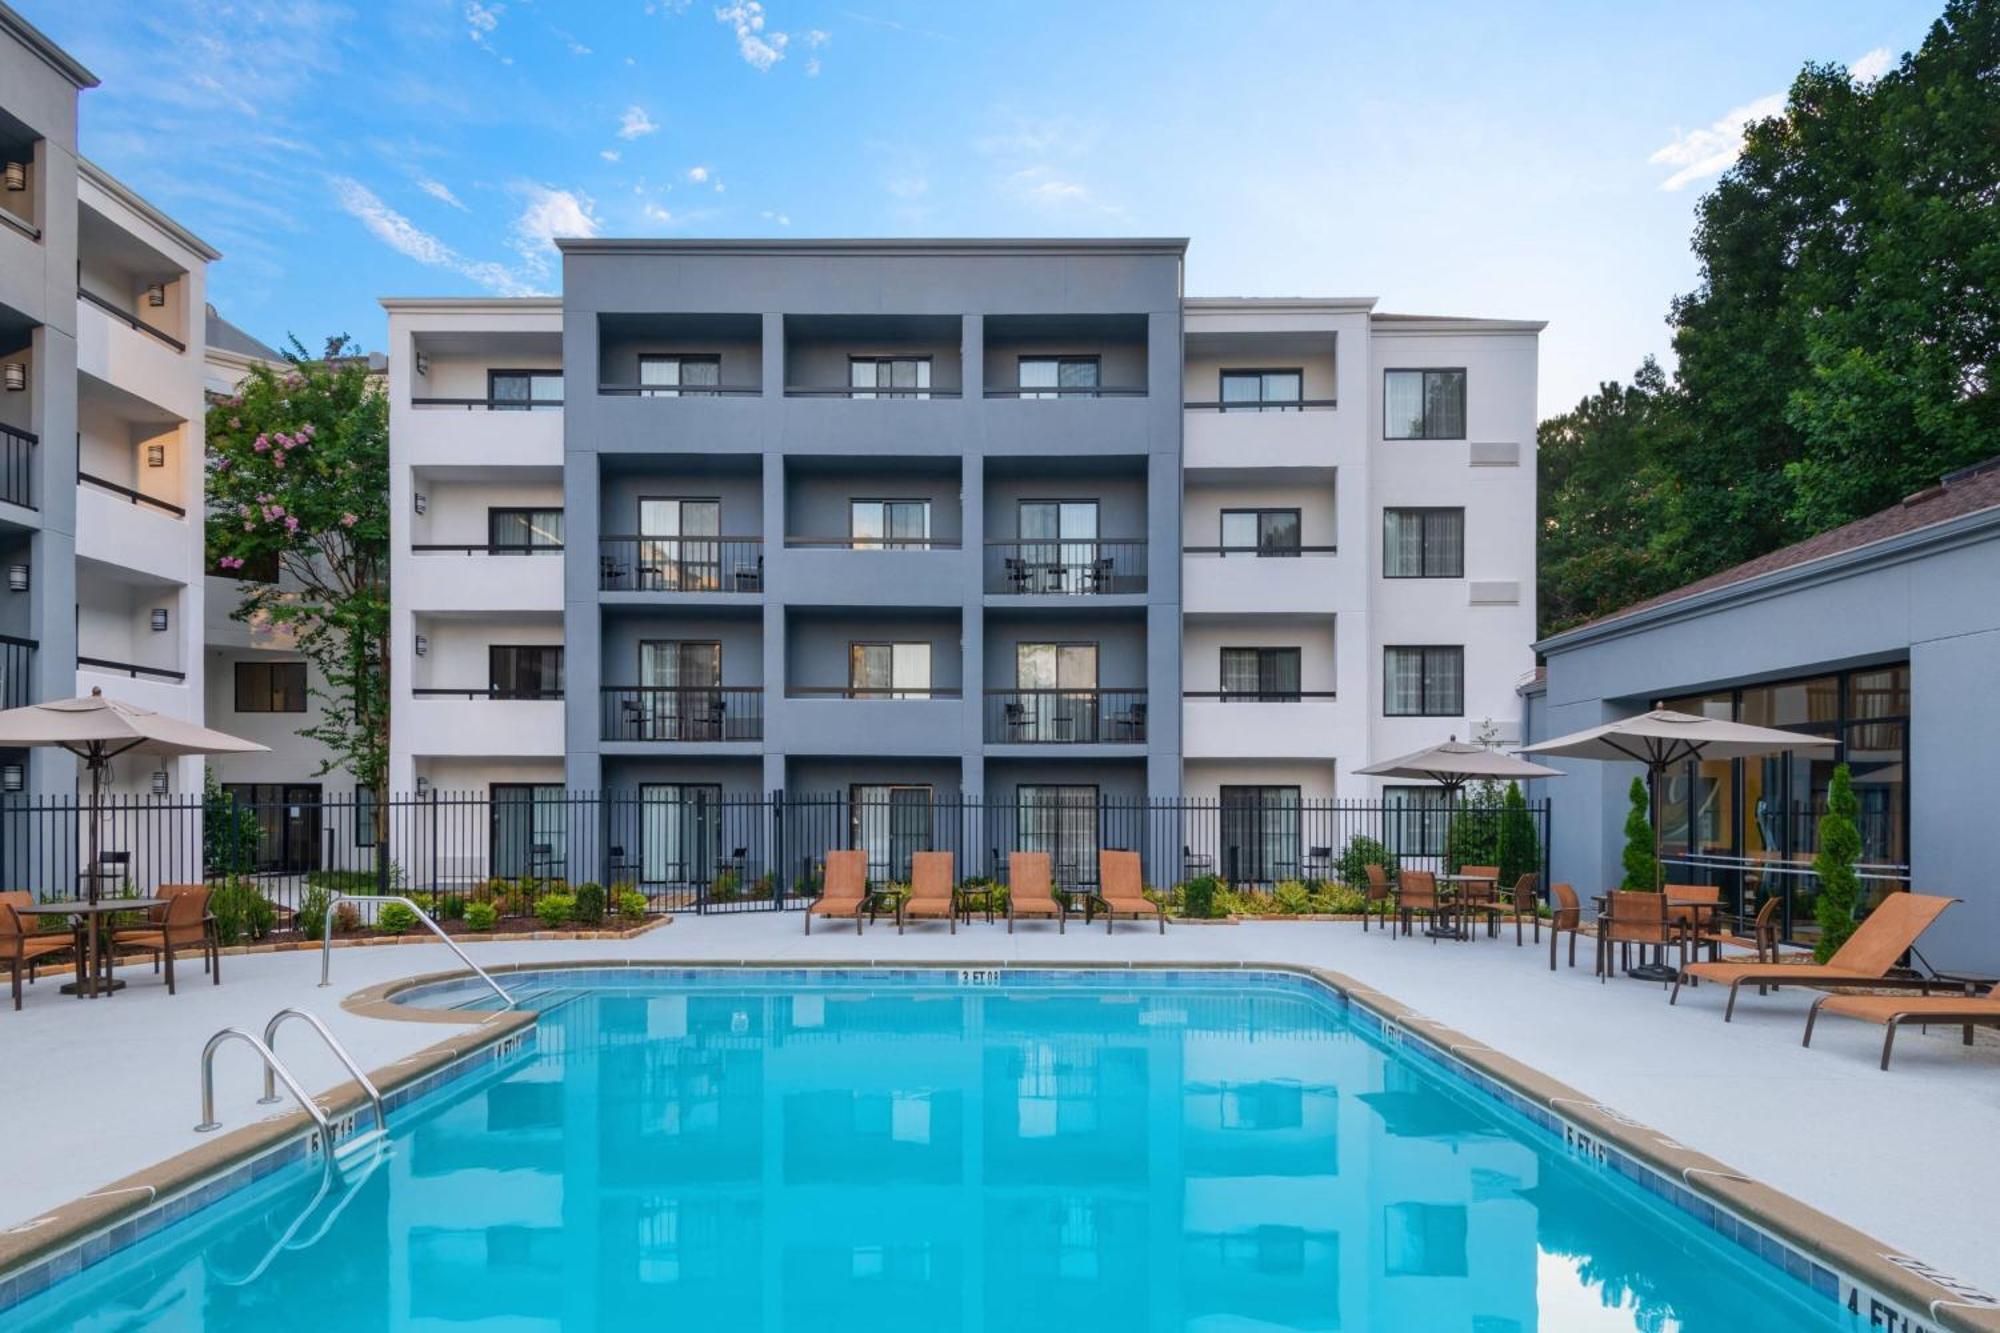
156, 917
184, 926
843, 890
1567, 920
1121, 890
1891, 1011
1030, 891
1482, 898
1874, 947
1524, 904
1760, 935
1632, 916
1378, 898
931, 894
23, 946
1417, 895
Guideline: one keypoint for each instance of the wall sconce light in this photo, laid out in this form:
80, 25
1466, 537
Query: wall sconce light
423, 645
156, 295
17, 376
156, 455
423, 364
12, 777
420, 502
423, 785
159, 618
17, 175
17, 578
160, 782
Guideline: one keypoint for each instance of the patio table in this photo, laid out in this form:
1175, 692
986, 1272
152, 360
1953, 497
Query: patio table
93, 951
1658, 970
1451, 890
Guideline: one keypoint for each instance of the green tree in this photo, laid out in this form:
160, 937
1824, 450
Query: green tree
298, 479
1839, 850
1642, 870
1518, 849
228, 831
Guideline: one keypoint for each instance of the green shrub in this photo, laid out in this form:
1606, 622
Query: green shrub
1292, 898
631, 906
450, 906
481, 916
346, 917
1198, 897
1520, 848
1340, 900
1641, 870
728, 887
590, 903
1360, 853
394, 919
1839, 849
555, 909
241, 911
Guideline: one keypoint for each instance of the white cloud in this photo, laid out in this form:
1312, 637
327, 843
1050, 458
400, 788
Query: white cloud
440, 191
550, 213
482, 20
697, 174
779, 218
1709, 151
635, 123
654, 213
1045, 188
760, 48
608, 154
411, 241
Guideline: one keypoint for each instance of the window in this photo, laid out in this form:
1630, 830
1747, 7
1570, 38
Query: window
1424, 1240
529, 830
524, 390
1413, 820
1059, 376
1263, 531
1059, 551
364, 816
679, 696
910, 376
1260, 834
889, 525
1423, 682
674, 375
1263, 390
678, 546
1269, 675
270, 687
1423, 405
889, 670
519, 531
1057, 697
287, 818
532, 671
1423, 543
1061, 820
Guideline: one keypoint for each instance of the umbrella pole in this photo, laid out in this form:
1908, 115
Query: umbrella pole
95, 760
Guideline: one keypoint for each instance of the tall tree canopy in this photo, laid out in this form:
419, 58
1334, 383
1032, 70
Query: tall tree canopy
1838, 353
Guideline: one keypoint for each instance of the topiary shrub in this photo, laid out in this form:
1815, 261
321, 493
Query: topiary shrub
1641, 870
1839, 849
481, 916
631, 906
555, 909
1520, 848
394, 918
1360, 853
590, 903
1198, 897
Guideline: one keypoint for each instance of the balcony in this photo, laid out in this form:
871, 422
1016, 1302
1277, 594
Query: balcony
1254, 580
17, 671
482, 722
117, 347
835, 720
681, 714
482, 577
1066, 568
17, 467
1282, 724
681, 565
1066, 717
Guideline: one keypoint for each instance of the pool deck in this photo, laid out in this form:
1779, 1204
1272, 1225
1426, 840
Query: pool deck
96, 1090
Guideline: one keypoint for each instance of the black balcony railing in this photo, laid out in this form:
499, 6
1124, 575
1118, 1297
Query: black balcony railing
871, 543
683, 712
1053, 567
872, 692
17, 467
17, 671
681, 390
125, 316
1275, 696
492, 404
489, 692
1268, 551
680, 564
867, 391
1065, 717
1264, 405
132, 669
135, 497
1068, 391
488, 548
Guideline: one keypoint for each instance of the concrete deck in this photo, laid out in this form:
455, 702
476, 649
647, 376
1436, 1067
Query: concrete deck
103, 1088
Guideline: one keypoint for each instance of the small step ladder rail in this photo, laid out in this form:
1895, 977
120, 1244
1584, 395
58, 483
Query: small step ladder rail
273, 1066
326, 938
278, 1020
330, 1170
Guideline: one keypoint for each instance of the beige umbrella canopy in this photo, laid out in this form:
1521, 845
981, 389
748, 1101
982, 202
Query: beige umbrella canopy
1452, 765
98, 730
1663, 738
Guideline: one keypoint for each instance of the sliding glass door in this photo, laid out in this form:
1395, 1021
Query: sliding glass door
529, 830
680, 833
1059, 545
891, 823
1260, 834
1060, 819
676, 550
681, 698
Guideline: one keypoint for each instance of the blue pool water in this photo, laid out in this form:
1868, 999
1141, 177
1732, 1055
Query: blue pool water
1164, 1152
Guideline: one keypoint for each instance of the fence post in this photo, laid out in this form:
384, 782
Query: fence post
781, 879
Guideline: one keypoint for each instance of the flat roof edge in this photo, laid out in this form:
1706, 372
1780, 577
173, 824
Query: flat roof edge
1388, 322
57, 59
138, 203
1025, 245
411, 304
1203, 305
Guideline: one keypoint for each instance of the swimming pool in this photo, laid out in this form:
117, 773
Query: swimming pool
915, 1150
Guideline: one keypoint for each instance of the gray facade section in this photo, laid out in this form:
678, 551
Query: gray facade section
1931, 598
785, 466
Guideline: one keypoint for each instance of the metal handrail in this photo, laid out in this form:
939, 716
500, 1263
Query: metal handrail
113, 308
136, 497
339, 1053
132, 669
326, 938
1258, 404
271, 1065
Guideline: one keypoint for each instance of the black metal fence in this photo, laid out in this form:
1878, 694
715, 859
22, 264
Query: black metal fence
694, 846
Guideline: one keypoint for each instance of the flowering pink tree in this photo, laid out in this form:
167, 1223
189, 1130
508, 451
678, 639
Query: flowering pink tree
298, 506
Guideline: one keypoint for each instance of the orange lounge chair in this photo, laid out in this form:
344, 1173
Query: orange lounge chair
1121, 889
1966, 1011
844, 890
930, 891
1030, 891
1864, 960
22, 945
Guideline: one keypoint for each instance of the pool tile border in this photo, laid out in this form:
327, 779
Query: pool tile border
72, 1237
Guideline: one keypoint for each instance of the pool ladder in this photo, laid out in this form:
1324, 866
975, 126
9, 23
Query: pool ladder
326, 941
276, 1071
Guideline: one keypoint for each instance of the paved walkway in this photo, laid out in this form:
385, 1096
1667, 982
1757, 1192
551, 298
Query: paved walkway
107, 1087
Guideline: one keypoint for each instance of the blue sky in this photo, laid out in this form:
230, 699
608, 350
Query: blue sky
1530, 160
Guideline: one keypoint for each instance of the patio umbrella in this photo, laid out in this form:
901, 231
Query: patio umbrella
1663, 738
98, 730
1452, 765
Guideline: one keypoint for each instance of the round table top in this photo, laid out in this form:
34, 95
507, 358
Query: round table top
84, 907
